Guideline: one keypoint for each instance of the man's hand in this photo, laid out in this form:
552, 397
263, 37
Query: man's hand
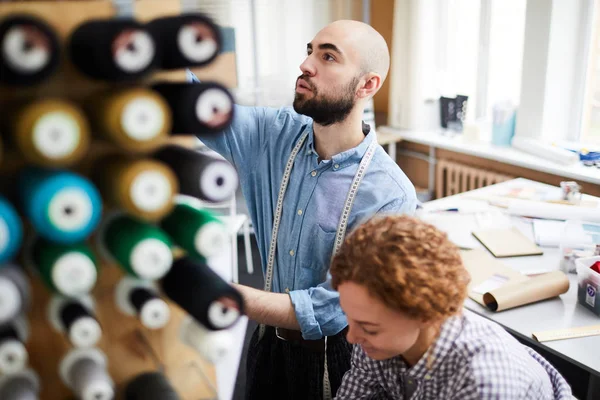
273, 309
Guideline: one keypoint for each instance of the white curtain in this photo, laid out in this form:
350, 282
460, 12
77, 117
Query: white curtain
283, 28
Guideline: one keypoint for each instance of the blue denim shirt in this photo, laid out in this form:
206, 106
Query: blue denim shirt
258, 144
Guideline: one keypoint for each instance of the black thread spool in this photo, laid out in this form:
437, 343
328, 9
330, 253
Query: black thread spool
198, 108
150, 386
113, 50
80, 324
29, 50
196, 288
13, 354
191, 40
152, 310
200, 175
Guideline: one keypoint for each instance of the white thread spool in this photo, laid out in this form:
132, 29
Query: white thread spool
84, 372
14, 293
13, 354
212, 345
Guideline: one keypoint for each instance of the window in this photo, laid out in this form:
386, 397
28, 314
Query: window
590, 132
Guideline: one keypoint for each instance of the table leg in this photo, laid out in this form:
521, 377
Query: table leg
593, 387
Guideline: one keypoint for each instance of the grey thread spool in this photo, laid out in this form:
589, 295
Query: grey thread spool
150, 386
13, 354
84, 371
23, 385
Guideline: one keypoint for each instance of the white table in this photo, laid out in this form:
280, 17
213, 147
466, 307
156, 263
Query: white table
558, 313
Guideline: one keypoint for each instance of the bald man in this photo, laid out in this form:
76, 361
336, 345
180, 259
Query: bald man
308, 174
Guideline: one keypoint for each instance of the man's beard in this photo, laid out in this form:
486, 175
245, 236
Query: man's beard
326, 111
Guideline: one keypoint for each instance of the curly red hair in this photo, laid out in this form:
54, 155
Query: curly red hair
409, 265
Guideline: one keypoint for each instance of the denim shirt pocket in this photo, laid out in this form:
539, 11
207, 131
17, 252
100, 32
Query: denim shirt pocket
321, 248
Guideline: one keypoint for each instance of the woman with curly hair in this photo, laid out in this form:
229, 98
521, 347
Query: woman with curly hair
402, 285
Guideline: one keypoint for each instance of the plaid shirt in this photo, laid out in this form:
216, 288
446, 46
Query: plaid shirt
472, 359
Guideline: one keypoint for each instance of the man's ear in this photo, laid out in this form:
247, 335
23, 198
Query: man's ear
369, 85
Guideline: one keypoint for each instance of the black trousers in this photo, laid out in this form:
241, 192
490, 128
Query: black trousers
282, 370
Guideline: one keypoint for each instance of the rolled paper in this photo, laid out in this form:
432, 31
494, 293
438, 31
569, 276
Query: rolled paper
537, 288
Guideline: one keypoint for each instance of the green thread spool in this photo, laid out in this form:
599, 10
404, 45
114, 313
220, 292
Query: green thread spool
196, 230
141, 249
68, 269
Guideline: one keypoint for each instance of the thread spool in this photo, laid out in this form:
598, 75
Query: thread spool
139, 298
113, 49
68, 269
213, 346
15, 294
11, 231
62, 206
139, 248
30, 51
50, 132
150, 386
135, 119
143, 188
84, 372
191, 40
196, 230
198, 108
76, 319
13, 354
207, 178
22, 385
203, 294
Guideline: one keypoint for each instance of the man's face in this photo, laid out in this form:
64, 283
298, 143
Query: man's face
382, 332
326, 90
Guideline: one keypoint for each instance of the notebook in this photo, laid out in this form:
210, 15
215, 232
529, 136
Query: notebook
507, 242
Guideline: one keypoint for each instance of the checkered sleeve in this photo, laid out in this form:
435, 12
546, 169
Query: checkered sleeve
362, 381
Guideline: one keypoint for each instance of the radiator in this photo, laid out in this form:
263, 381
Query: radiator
453, 178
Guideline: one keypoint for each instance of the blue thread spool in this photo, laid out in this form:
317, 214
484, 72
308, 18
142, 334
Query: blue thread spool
11, 231
62, 206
